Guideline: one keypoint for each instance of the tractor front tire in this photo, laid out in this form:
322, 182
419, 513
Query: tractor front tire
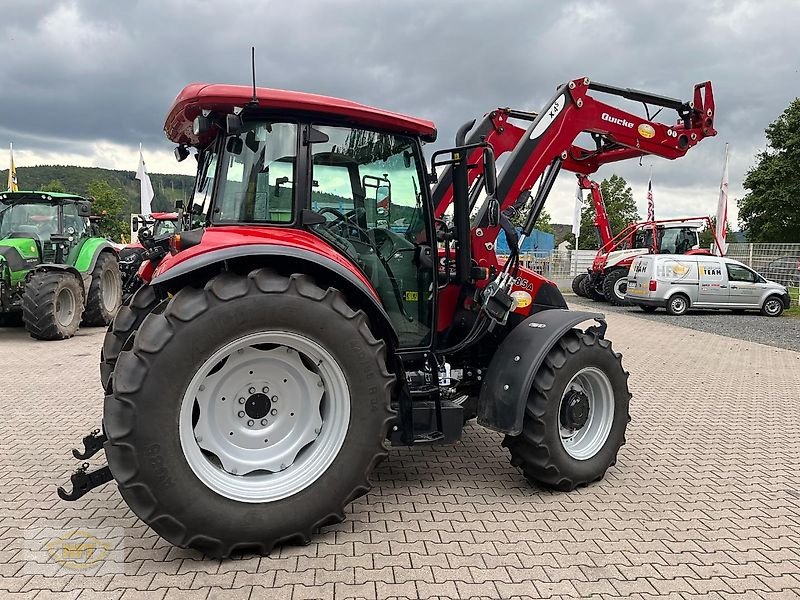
105, 291
248, 414
577, 284
615, 284
576, 414
120, 332
589, 290
52, 305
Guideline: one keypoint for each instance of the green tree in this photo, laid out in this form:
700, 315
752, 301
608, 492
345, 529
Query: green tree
109, 203
542, 223
707, 234
620, 207
770, 211
55, 186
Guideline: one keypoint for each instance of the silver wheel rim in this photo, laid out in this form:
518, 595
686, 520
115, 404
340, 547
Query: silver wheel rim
281, 452
772, 307
678, 305
584, 442
620, 287
65, 307
110, 289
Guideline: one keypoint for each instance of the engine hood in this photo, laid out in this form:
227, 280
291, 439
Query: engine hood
622, 256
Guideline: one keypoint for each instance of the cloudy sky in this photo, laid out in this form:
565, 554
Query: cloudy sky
85, 81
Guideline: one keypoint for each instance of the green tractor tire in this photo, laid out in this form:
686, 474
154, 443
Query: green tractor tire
52, 305
105, 291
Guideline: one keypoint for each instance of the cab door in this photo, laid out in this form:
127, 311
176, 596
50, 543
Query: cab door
745, 289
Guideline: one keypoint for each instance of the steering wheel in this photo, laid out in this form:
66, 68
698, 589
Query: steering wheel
345, 220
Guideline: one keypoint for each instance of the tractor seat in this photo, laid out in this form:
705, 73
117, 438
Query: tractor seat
28, 232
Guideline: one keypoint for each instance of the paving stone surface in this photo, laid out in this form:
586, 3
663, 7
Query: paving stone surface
704, 501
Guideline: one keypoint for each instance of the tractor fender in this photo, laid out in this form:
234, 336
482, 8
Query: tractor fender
89, 253
505, 389
362, 295
83, 278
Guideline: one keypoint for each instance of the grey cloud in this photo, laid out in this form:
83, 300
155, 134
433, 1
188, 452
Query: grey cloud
75, 72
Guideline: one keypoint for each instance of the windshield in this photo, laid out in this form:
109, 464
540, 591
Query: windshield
37, 220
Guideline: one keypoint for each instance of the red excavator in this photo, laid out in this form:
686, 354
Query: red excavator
607, 277
253, 380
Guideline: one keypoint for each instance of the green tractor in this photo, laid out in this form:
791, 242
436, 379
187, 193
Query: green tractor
54, 271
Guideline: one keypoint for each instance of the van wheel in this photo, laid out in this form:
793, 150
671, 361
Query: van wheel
678, 305
773, 307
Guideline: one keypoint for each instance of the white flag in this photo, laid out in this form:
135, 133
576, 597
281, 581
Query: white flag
722, 207
145, 185
576, 215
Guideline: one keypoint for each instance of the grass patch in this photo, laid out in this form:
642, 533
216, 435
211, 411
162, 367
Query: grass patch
794, 309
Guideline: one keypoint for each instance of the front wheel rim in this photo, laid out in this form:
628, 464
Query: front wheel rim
772, 307
65, 307
594, 387
265, 416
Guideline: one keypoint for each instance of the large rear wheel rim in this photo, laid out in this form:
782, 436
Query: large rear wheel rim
592, 397
110, 289
620, 288
65, 307
265, 416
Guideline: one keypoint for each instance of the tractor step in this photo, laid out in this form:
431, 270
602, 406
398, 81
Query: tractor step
92, 444
84, 481
426, 430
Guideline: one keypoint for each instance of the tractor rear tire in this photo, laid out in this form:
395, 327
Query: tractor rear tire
589, 290
105, 292
577, 284
615, 284
177, 429
120, 332
52, 305
583, 364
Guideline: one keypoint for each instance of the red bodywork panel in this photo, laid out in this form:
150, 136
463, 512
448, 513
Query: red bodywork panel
217, 238
224, 98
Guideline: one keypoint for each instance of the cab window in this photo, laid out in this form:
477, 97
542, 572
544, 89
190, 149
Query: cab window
366, 186
257, 175
740, 273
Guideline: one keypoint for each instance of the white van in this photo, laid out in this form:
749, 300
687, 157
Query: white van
678, 282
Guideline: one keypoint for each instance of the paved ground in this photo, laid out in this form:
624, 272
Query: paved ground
704, 501
782, 332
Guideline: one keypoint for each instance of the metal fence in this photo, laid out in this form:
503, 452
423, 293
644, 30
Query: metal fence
777, 262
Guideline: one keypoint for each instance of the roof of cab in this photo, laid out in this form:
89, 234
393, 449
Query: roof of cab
35, 196
224, 98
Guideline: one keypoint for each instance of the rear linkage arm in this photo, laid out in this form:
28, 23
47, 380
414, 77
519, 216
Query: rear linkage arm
83, 480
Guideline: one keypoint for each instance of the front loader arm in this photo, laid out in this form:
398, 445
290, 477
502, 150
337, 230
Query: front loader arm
601, 221
618, 135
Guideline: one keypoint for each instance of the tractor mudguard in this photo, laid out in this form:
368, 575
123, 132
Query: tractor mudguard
504, 393
353, 284
89, 251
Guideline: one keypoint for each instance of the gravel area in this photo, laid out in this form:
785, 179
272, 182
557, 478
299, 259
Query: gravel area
781, 332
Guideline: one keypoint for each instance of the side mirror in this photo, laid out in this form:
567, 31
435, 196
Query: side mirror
181, 152
234, 124
134, 224
489, 172
278, 183
493, 212
84, 209
178, 205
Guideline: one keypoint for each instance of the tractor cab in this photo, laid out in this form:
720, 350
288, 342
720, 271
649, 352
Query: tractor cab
670, 238
55, 224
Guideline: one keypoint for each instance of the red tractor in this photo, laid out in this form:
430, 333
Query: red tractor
607, 277
253, 382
